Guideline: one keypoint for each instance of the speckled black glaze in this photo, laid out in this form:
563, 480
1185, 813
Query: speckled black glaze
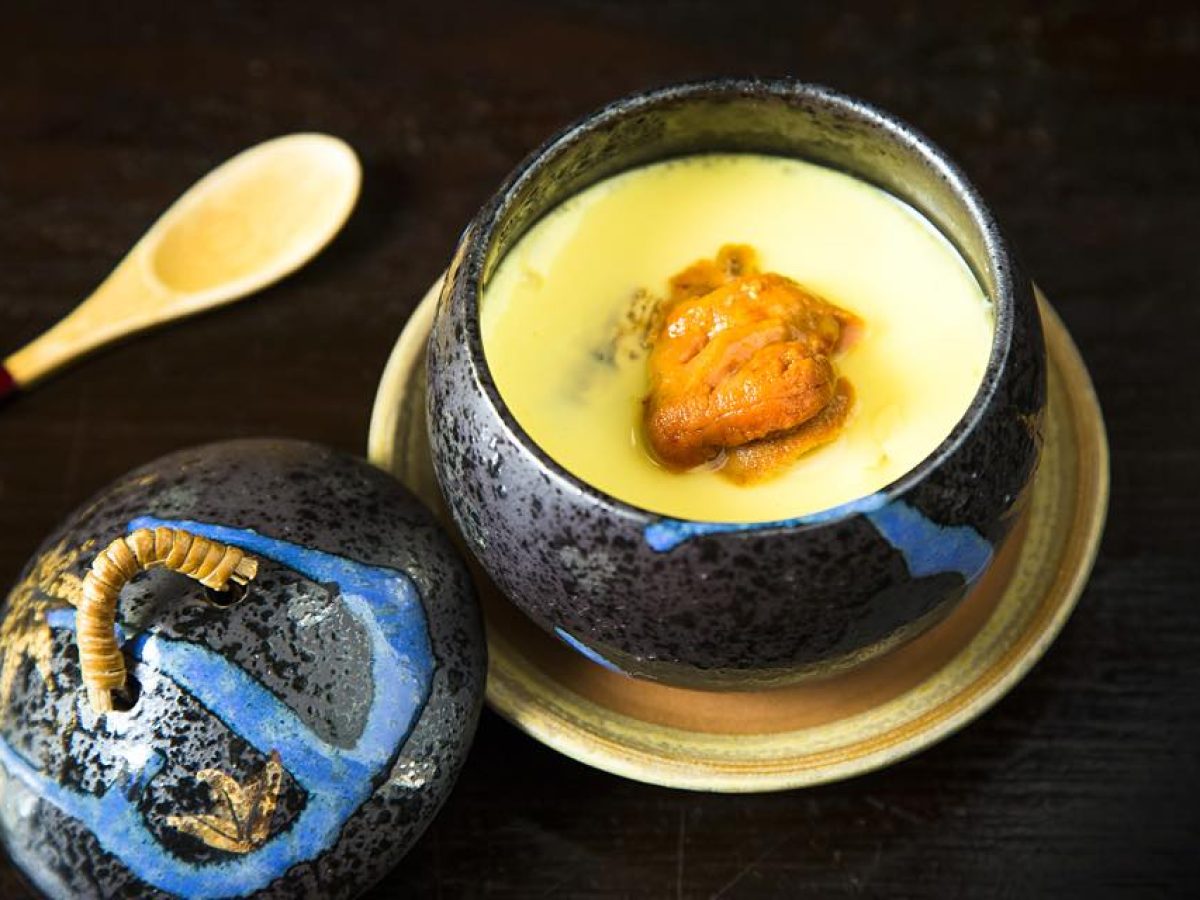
299, 639
722, 606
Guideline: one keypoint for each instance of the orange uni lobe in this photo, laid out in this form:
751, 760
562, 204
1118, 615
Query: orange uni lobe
741, 369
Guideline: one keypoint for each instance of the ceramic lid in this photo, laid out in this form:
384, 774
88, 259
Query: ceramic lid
292, 737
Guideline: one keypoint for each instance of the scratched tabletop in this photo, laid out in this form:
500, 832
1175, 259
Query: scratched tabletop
1079, 122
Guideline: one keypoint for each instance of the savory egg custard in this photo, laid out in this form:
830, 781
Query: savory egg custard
735, 338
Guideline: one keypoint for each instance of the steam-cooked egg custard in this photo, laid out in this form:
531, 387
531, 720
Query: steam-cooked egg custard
575, 324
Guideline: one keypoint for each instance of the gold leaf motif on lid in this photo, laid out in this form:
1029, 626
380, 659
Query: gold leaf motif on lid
24, 632
240, 820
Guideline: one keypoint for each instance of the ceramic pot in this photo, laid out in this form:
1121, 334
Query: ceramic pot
726, 605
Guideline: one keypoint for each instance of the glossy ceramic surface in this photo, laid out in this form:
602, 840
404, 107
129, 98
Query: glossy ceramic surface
723, 605
291, 741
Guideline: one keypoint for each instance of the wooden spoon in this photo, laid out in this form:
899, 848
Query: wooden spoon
245, 225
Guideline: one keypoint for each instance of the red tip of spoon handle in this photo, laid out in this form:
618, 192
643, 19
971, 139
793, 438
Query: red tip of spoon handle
8, 384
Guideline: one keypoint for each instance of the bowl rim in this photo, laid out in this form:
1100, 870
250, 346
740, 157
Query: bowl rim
477, 239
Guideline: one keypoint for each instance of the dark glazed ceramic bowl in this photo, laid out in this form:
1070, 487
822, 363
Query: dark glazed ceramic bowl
731, 605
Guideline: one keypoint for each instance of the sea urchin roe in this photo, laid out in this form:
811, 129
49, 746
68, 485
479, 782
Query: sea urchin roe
741, 369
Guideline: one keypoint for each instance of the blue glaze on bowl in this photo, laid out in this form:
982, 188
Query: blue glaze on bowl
590, 652
928, 548
664, 535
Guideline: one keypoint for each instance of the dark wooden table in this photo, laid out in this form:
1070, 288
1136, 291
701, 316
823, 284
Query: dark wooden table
1080, 123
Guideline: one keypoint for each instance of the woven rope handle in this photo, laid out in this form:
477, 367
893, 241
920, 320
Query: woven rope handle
213, 564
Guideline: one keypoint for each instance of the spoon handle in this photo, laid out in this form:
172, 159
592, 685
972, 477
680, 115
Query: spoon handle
126, 302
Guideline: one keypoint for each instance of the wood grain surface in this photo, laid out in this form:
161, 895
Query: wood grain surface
1079, 122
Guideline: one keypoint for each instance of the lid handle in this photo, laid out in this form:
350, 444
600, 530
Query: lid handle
213, 564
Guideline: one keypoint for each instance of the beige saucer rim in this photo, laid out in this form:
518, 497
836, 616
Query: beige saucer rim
1069, 505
